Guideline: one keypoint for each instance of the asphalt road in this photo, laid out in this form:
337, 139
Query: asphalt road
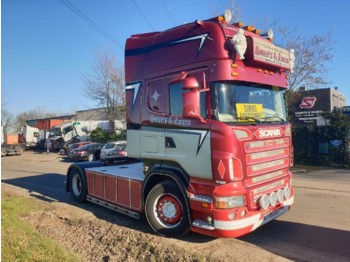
316, 229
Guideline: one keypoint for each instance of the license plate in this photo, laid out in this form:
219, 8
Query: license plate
274, 214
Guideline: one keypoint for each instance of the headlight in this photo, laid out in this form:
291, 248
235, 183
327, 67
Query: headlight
229, 202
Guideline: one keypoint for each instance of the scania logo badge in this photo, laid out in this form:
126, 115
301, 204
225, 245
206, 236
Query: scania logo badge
268, 132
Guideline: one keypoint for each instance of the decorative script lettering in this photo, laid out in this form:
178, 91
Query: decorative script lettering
170, 120
270, 54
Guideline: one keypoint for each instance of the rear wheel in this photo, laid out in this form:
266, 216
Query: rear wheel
166, 210
77, 185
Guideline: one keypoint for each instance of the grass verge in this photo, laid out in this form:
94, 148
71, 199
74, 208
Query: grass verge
19, 241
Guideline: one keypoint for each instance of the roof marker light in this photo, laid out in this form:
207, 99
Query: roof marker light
249, 28
256, 31
238, 24
221, 19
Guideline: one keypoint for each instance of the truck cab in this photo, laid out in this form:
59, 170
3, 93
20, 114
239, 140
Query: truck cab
205, 113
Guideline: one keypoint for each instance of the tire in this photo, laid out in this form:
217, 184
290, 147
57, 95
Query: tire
91, 157
77, 185
167, 210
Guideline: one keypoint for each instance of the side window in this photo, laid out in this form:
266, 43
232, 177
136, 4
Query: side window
67, 129
175, 99
109, 145
203, 98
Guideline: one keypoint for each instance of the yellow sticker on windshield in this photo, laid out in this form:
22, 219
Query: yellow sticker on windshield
246, 112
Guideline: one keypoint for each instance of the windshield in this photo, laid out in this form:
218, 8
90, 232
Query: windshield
242, 102
55, 132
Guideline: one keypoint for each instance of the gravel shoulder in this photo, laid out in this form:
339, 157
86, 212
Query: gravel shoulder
99, 234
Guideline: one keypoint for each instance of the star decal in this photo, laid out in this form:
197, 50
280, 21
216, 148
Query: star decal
155, 96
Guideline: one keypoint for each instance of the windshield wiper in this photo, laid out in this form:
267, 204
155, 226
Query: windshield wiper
249, 119
280, 119
262, 119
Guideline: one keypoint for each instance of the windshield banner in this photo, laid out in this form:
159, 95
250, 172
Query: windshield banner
246, 112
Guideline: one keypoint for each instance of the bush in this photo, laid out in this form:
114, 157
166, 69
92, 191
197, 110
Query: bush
325, 145
101, 136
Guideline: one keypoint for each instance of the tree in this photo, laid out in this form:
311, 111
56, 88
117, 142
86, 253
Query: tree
313, 56
21, 118
105, 85
6, 121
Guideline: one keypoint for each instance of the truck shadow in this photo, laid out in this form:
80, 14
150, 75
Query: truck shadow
51, 188
277, 235
272, 237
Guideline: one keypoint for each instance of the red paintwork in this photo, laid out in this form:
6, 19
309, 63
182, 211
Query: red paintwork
169, 199
204, 51
111, 189
46, 124
117, 190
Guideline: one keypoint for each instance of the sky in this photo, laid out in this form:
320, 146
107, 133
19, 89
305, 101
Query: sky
46, 47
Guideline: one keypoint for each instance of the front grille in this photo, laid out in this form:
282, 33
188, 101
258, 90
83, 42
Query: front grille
266, 160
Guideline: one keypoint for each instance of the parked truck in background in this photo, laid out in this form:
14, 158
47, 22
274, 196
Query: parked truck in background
209, 147
14, 144
10, 144
77, 131
30, 137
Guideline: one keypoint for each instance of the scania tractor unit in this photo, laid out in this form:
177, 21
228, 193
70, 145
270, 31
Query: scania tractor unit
209, 146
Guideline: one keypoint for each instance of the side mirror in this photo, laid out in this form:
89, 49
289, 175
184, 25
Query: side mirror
191, 99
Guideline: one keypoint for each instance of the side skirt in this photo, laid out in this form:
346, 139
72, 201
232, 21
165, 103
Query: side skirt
113, 207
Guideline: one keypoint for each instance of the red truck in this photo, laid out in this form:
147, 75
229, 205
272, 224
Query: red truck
208, 142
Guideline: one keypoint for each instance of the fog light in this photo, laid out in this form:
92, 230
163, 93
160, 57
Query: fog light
243, 213
264, 202
231, 216
273, 198
280, 195
209, 220
287, 192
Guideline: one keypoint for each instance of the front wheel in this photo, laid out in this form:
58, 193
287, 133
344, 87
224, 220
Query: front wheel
77, 185
167, 210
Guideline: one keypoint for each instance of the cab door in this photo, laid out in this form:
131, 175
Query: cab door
187, 141
154, 119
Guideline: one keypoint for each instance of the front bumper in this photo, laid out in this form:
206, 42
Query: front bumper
238, 227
